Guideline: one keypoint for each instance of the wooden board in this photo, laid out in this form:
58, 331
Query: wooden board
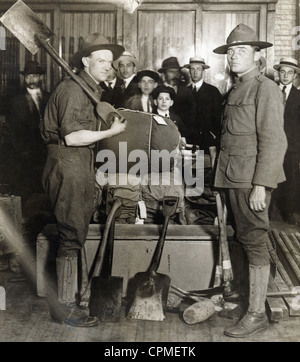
277, 307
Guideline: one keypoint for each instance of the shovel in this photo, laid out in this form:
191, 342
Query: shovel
150, 288
106, 290
28, 28
88, 289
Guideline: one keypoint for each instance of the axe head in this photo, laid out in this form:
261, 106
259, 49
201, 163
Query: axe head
26, 26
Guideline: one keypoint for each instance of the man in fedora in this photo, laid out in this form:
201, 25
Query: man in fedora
25, 112
250, 165
70, 129
289, 191
206, 127
127, 65
183, 104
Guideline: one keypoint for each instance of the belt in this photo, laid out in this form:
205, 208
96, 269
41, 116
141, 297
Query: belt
56, 142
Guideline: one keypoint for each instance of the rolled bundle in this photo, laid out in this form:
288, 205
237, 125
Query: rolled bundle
148, 144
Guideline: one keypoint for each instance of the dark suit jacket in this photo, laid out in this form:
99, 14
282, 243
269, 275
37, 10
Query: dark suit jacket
183, 104
28, 149
135, 103
130, 91
208, 109
114, 96
183, 130
292, 120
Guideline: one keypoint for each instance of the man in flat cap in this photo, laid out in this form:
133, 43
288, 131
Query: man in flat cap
25, 112
127, 65
70, 129
250, 165
288, 195
206, 127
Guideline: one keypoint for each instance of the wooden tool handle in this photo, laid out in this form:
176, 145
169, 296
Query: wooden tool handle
169, 207
103, 244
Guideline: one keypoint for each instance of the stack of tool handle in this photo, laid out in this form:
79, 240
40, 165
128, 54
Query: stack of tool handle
285, 282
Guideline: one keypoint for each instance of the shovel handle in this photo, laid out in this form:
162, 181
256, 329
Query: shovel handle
159, 247
168, 209
102, 248
65, 66
62, 63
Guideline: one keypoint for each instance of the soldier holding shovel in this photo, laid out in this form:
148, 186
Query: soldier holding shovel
70, 132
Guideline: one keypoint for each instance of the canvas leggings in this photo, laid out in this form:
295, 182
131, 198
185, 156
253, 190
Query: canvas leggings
69, 180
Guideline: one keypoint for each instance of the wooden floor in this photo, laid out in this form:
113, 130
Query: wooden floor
26, 319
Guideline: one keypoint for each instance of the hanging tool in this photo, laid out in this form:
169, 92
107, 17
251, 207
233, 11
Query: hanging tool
150, 288
100, 255
224, 267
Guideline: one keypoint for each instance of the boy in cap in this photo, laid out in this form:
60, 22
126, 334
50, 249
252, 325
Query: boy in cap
206, 127
289, 192
250, 165
147, 82
163, 98
70, 130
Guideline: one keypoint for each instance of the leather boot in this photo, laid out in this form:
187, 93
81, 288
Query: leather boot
255, 319
236, 313
63, 309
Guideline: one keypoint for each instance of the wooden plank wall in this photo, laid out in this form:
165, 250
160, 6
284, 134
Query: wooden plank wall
157, 30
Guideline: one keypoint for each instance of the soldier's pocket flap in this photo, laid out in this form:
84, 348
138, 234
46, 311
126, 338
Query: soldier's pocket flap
248, 151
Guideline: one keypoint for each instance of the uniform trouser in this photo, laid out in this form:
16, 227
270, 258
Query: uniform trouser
251, 227
69, 180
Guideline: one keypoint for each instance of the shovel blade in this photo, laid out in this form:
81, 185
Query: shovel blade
26, 26
149, 294
106, 298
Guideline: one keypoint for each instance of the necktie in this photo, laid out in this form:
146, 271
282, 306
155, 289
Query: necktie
284, 95
109, 85
194, 89
123, 86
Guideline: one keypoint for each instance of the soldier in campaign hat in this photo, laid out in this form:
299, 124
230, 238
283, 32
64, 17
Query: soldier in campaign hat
250, 165
70, 130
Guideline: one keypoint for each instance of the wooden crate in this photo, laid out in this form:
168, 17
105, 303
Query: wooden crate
188, 257
10, 223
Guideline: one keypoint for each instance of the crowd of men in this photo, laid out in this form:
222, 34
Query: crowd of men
255, 128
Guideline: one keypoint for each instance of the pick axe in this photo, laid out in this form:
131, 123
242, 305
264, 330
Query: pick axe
28, 28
